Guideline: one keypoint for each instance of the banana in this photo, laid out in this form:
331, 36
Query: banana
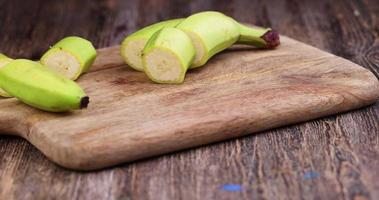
70, 57
38, 86
168, 55
3, 61
133, 45
212, 32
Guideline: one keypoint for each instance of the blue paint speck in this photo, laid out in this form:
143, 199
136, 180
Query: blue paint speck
310, 175
231, 187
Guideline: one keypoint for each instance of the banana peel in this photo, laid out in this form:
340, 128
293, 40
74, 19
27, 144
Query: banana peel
3, 61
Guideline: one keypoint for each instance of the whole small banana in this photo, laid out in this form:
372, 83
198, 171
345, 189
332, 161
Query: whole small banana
3, 61
38, 86
70, 57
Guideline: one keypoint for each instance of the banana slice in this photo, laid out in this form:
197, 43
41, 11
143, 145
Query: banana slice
70, 57
133, 45
168, 55
3, 61
37, 86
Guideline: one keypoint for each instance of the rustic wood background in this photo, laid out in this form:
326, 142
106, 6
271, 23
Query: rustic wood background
331, 158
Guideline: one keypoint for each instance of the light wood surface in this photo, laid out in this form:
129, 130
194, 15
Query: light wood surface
239, 92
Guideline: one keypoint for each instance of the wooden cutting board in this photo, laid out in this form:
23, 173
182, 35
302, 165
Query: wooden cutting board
239, 92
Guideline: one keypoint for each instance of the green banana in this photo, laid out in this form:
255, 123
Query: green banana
212, 32
3, 61
70, 57
38, 86
168, 55
133, 45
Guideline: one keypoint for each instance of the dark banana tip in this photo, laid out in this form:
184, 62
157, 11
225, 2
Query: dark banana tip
272, 39
84, 101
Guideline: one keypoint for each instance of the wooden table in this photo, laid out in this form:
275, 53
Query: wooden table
331, 158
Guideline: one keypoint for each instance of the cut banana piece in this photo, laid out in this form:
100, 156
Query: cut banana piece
133, 45
168, 55
70, 57
3, 61
210, 32
38, 86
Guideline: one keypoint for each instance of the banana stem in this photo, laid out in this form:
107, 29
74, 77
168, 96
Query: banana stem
262, 38
84, 101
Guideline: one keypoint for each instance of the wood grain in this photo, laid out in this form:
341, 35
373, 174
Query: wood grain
343, 150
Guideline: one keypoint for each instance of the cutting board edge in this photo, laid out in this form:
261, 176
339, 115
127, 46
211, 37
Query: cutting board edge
73, 158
